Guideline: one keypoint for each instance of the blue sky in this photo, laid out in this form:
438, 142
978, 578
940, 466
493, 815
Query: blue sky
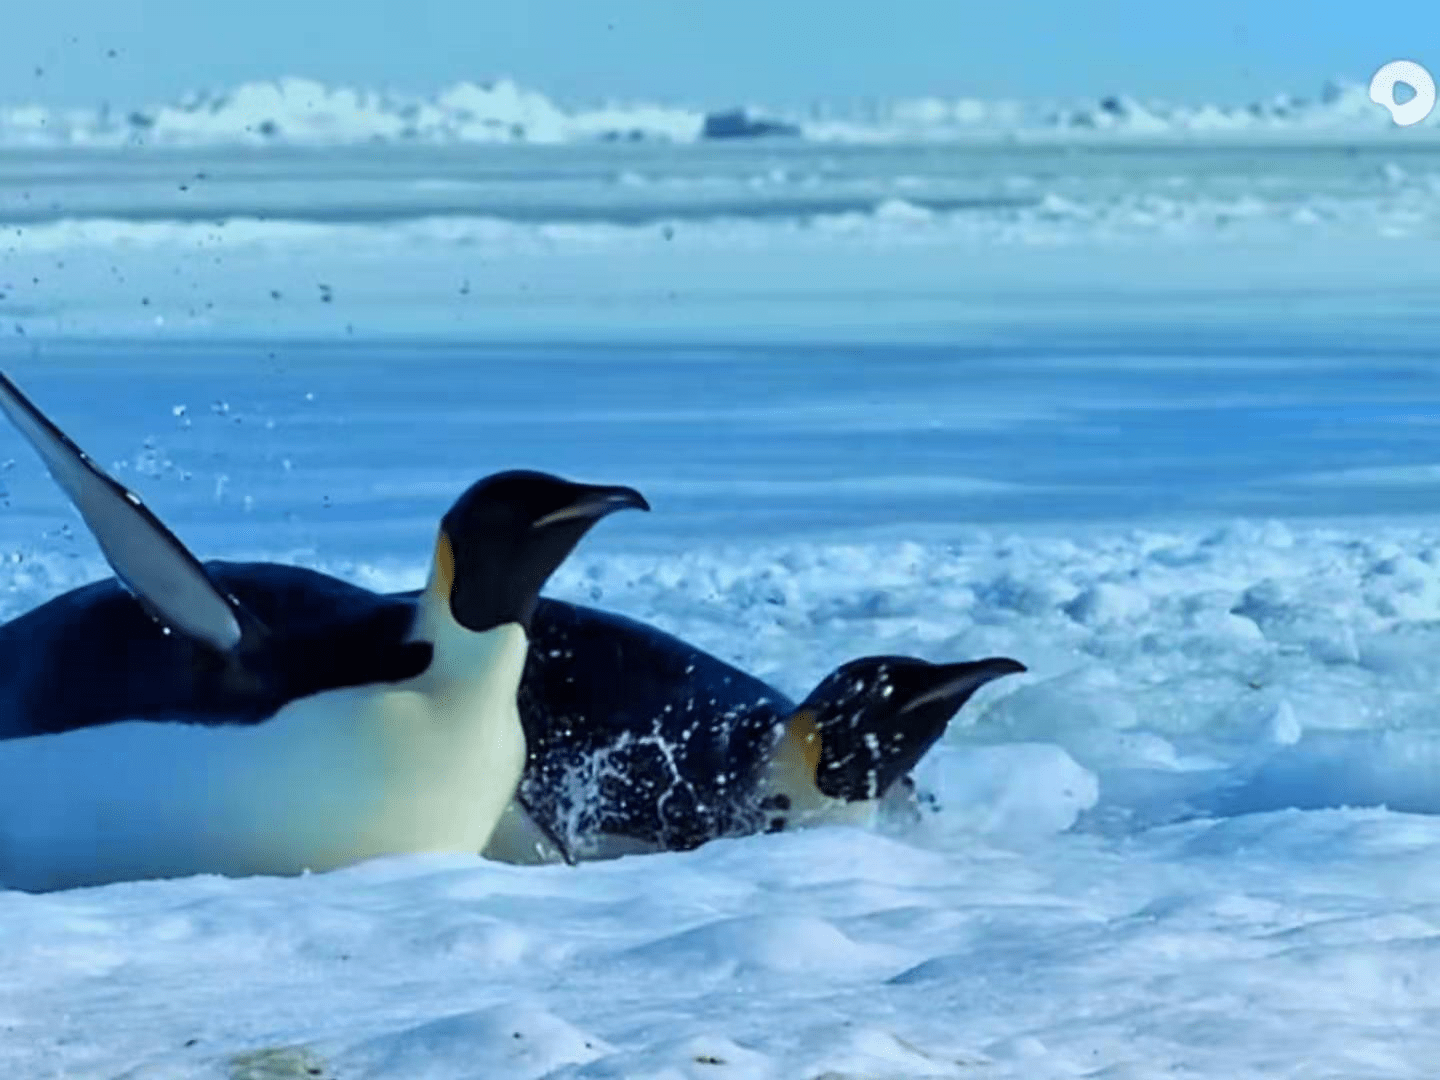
711, 52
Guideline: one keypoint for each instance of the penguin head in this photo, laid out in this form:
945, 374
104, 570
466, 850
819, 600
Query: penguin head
871, 720
507, 534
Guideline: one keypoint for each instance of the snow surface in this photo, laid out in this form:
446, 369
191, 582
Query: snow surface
1164, 430
1118, 882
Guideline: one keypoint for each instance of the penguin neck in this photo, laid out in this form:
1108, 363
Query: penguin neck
795, 760
462, 654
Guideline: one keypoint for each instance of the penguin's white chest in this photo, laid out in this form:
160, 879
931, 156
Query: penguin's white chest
426, 765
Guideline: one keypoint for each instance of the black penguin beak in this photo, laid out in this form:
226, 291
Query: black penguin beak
594, 503
954, 683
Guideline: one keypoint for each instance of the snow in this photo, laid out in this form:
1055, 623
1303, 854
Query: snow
1161, 426
1120, 869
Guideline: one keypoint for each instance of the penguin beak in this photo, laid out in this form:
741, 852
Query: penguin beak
956, 682
592, 504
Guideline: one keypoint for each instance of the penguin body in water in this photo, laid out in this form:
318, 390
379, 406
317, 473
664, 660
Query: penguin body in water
638, 741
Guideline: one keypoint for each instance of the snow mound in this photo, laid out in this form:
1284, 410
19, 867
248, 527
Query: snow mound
521, 1041
775, 944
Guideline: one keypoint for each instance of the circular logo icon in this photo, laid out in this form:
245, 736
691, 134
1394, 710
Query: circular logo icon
1404, 73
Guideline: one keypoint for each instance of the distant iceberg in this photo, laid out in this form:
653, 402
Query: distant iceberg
742, 124
303, 112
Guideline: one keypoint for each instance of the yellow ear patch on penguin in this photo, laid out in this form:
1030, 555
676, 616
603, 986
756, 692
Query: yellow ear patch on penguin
443, 575
804, 735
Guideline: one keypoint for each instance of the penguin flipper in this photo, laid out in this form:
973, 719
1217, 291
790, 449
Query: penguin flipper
151, 562
364, 649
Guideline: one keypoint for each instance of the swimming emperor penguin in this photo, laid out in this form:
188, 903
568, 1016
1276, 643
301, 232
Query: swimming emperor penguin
639, 741
256, 718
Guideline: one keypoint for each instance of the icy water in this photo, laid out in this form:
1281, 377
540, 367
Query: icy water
648, 183
754, 441
1173, 445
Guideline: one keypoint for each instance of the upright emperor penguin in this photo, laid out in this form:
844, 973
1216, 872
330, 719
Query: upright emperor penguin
268, 719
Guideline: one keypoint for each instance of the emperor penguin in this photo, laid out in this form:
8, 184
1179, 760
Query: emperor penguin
639, 741
257, 718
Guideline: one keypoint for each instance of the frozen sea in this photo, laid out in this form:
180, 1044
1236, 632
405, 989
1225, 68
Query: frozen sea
1156, 417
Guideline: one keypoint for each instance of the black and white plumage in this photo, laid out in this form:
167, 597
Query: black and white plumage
639, 741
259, 718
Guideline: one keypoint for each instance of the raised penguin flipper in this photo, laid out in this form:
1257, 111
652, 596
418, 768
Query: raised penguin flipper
145, 555
870, 721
